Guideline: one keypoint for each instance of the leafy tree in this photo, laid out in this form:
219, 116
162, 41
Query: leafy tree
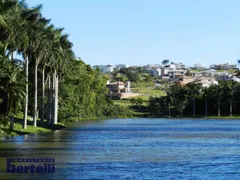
193, 92
179, 94
165, 62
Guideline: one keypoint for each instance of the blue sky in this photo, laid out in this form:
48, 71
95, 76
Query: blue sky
138, 32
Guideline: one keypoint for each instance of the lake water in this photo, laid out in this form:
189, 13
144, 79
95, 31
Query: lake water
133, 149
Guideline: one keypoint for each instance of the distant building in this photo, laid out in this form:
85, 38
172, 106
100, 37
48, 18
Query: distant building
155, 72
223, 76
116, 87
198, 66
121, 66
120, 90
204, 81
104, 68
185, 80
225, 66
179, 65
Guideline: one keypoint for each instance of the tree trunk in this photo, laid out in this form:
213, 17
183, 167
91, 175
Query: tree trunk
169, 109
53, 98
230, 106
49, 101
219, 112
35, 96
193, 106
43, 96
56, 99
26, 96
206, 107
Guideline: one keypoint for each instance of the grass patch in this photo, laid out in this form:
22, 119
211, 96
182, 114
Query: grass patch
149, 91
18, 130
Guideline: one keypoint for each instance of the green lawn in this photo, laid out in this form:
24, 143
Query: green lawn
149, 91
125, 103
18, 130
30, 129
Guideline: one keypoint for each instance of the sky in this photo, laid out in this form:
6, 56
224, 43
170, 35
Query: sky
138, 32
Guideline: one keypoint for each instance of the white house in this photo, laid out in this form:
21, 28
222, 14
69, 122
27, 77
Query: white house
155, 72
121, 66
223, 76
198, 66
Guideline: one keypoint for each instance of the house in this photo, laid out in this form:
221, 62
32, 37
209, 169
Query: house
107, 69
120, 90
185, 80
179, 65
223, 76
116, 87
155, 72
225, 66
104, 68
206, 81
121, 66
198, 66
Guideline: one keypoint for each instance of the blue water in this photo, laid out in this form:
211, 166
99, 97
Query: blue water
134, 149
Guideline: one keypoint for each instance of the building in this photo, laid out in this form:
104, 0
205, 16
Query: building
225, 66
104, 68
185, 80
107, 69
223, 76
120, 90
206, 81
179, 65
198, 66
166, 68
121, 66
155, 72
116, 87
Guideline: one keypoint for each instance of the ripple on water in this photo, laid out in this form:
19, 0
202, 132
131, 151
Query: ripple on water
135, 149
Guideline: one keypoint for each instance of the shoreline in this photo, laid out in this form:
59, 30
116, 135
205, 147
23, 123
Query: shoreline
18, 131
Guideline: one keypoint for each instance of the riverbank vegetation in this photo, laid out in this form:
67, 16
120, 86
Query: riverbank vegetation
194, 101
40, 75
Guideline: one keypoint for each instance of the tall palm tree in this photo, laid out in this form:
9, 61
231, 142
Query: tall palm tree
30, 17
229, 92
179, 94
34, 26
205, 93
193, 92
217, 90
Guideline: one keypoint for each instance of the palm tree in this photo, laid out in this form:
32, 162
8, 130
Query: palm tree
193, 91
12, 87
217, 90
179, 94
30, 17
229, 91
205, 93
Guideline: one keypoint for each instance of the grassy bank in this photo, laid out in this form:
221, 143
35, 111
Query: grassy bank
18, 130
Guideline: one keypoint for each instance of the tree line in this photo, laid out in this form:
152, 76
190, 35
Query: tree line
194, 100
45, 79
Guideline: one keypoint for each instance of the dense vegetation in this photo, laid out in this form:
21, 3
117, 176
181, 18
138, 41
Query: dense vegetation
193, 100
47, 79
